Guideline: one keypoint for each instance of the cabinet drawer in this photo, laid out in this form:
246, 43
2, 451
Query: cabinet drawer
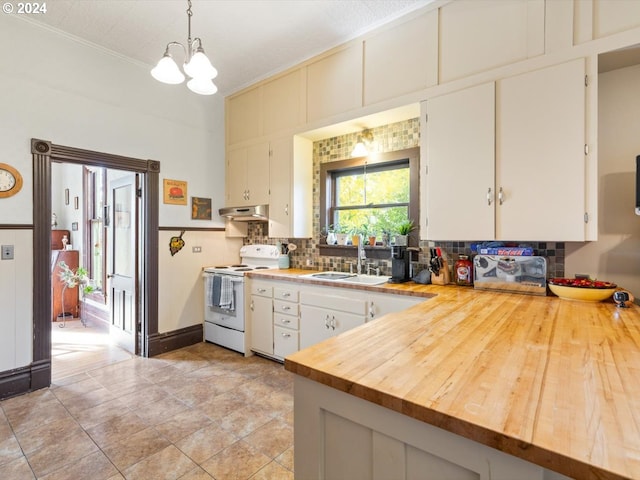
285, 341
280, 306
261, 289
287, 321
287, 294
335, 302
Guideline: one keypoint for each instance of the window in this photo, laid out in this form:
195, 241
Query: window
370, 195
95, 181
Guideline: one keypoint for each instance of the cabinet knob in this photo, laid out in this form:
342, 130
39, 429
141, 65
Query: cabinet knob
262, 290
286, 335
286, 308
286, 295
372, 312
285, 321
251, 305
489, 197
333, 322
327, 322
500, 196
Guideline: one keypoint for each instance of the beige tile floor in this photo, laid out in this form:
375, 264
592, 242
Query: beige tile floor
200, 412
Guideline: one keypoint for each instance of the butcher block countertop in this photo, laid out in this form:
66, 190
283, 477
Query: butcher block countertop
555, 382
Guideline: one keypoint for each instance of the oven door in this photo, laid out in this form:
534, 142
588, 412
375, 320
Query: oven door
229, 318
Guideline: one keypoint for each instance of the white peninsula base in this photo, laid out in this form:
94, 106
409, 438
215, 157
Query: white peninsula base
340, 436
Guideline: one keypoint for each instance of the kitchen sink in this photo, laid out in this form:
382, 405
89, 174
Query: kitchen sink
348, 278
328, 275
366, 279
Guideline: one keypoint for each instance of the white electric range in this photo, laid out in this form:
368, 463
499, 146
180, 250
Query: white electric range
224, 298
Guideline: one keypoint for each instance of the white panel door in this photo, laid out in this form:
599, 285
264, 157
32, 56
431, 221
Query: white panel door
459, 193
540, 162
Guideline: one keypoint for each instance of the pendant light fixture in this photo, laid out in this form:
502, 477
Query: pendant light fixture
365, 138
196, 65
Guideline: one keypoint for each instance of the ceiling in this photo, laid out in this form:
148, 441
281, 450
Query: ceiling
246, 40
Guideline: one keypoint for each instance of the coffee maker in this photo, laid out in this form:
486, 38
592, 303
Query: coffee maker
400, 264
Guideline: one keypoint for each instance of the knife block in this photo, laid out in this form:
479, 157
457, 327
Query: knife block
444, 277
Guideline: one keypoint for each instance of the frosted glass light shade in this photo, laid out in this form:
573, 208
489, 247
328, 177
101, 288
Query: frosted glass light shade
202, 86
359, 150
200, 66
166, 71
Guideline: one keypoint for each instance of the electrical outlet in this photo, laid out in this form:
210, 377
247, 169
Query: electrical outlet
196, 249
7, 252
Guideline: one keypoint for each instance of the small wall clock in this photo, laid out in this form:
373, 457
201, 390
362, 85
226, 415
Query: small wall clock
10, 181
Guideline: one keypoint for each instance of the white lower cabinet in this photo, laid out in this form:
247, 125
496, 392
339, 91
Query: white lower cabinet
285, 341
338, 435
260, 317
320, 323
285, 320
285, 317
379, 304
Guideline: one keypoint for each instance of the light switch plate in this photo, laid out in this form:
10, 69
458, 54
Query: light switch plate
7, 252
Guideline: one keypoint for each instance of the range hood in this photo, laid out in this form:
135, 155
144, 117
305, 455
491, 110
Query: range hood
257, 213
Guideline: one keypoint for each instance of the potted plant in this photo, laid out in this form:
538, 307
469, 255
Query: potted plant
403, 229
342, 236
73, 279
369, 234
356, 236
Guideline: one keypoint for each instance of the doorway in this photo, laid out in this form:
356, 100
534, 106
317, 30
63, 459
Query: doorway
96, 212
143, 307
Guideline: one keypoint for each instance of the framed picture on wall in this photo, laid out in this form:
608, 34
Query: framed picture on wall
174, 192
200, 208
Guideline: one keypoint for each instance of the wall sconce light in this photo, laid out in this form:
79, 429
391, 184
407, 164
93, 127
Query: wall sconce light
364, 139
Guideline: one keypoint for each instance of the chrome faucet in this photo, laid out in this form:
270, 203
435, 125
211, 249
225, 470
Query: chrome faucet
362, 256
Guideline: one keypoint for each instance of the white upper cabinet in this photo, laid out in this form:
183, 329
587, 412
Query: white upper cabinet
243, 116
334, 83
613, 16
460, 161
283, 102
402, 59
540, 154
478, 35
537, 191
290, 202
247, 175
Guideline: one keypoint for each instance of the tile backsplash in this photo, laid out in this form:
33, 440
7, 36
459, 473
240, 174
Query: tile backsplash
387, 138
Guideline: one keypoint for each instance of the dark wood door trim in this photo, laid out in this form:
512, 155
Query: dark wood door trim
44, 153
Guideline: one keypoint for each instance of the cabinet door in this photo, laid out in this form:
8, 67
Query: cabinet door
285, 341
236, 177
411, 48
478, 35
258, 174
280, 207
458, 195
261, 313
381, 304
315, 325
342, 322
283, 100
540, 162
334, 83
243, 116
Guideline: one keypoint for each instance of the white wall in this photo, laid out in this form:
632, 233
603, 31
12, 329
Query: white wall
615, 256
181, 301
56, 88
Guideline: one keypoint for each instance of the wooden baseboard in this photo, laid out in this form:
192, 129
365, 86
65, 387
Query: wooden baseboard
165, 342
25, 379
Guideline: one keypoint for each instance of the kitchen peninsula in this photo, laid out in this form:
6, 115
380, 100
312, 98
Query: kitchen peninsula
474, 384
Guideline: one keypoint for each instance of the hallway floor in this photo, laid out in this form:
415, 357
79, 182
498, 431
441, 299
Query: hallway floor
200, 412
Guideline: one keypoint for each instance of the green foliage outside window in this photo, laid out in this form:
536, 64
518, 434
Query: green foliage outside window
373, 202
